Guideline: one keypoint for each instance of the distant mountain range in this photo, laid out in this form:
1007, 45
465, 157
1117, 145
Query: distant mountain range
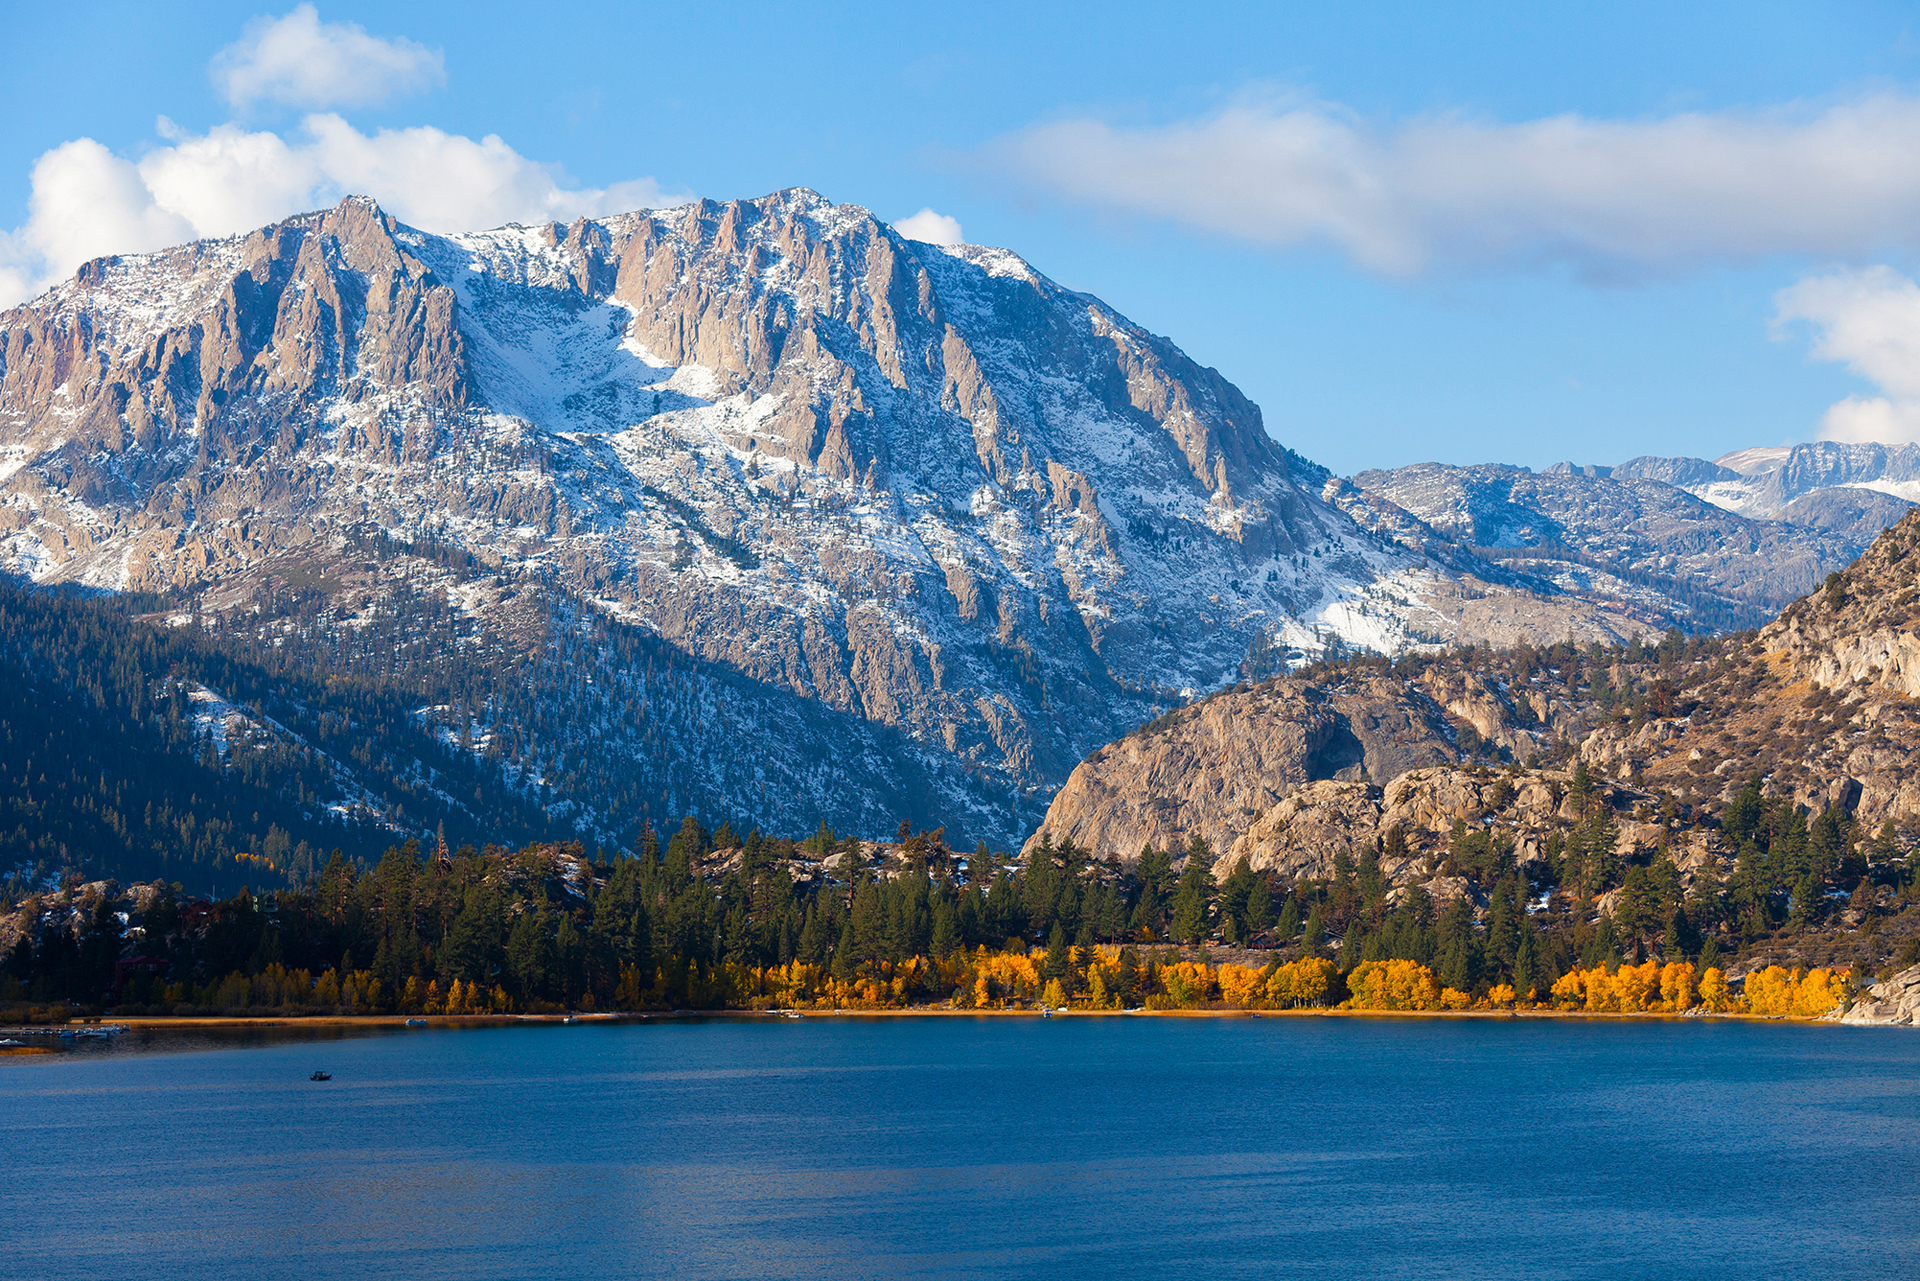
1854, 489
1701, 544
759, 510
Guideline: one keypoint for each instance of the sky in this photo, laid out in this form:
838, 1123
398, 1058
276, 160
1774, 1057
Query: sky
1497, 233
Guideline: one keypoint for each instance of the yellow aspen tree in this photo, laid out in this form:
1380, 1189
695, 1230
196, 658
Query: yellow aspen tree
1097, 994
1714, 993
1637, 987
1570, 989
1238, 984
1771, 991
1820, 993
1392, 985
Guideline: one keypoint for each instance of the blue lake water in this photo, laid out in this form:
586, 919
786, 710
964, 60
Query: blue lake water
950, 1147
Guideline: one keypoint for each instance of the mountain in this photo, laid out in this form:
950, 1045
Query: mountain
1855, 490
1823, 704
753, 510
1760, 783
1629, 532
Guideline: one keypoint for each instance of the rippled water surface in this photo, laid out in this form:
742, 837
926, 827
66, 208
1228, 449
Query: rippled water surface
1069, 1147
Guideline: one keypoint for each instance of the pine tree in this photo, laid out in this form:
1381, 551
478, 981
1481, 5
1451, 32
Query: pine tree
1127, 978
1259, 905
1193, 896
1526, 964
946, 928
1315, 934
1289, 919
1059, 956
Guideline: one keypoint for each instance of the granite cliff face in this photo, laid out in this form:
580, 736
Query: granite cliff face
1214, 769
1822, 705
922, 489
1894, 1002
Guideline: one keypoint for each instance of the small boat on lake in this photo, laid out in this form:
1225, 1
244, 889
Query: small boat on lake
416, 1022
321, 1076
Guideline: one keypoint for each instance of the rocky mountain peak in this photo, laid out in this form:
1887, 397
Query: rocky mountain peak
926, 488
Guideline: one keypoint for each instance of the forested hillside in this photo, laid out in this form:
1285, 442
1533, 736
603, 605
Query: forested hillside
715, 920
147, 752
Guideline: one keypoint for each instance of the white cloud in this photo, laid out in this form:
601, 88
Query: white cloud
1868, 320
1457, 194
300, 61
933, 228
87, 202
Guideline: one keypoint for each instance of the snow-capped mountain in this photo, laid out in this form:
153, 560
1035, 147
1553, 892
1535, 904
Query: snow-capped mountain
916, 513
1854, 489
1649, 531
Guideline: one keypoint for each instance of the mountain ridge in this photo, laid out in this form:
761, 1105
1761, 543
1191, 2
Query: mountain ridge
923, 487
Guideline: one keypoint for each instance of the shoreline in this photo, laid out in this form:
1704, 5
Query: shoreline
189, 1022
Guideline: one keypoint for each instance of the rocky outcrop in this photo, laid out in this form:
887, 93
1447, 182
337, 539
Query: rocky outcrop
1894, 1002
1861, 632
1215, 768
1315, 825
1212, 769
1821, 707
922, 486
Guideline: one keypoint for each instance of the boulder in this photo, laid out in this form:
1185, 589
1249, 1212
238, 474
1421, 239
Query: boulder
1895, 1001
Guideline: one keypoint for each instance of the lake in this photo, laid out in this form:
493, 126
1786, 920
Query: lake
967, 1147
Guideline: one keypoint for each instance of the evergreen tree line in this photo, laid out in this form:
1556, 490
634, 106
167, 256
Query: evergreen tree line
549, 926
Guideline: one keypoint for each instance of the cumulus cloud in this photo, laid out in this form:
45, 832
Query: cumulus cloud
933, 228
1454, 194
87, 202
300, 61
1868, 320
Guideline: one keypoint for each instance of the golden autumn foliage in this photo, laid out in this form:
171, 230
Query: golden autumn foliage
1653, 988
1105, 977
1240, 984
1392, 985
1714, 993
1802, 994
1305, 982
1648, 988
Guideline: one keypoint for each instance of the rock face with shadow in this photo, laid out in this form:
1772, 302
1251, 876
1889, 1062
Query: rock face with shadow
1213, 769
1894, 1002
925, 488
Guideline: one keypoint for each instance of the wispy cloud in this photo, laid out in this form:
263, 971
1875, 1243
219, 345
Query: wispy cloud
1868, 320
300, 61
1454, 194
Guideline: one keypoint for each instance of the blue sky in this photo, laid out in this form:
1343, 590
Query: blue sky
1495, 303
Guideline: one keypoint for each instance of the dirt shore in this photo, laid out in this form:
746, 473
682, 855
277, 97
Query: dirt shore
161, 1021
